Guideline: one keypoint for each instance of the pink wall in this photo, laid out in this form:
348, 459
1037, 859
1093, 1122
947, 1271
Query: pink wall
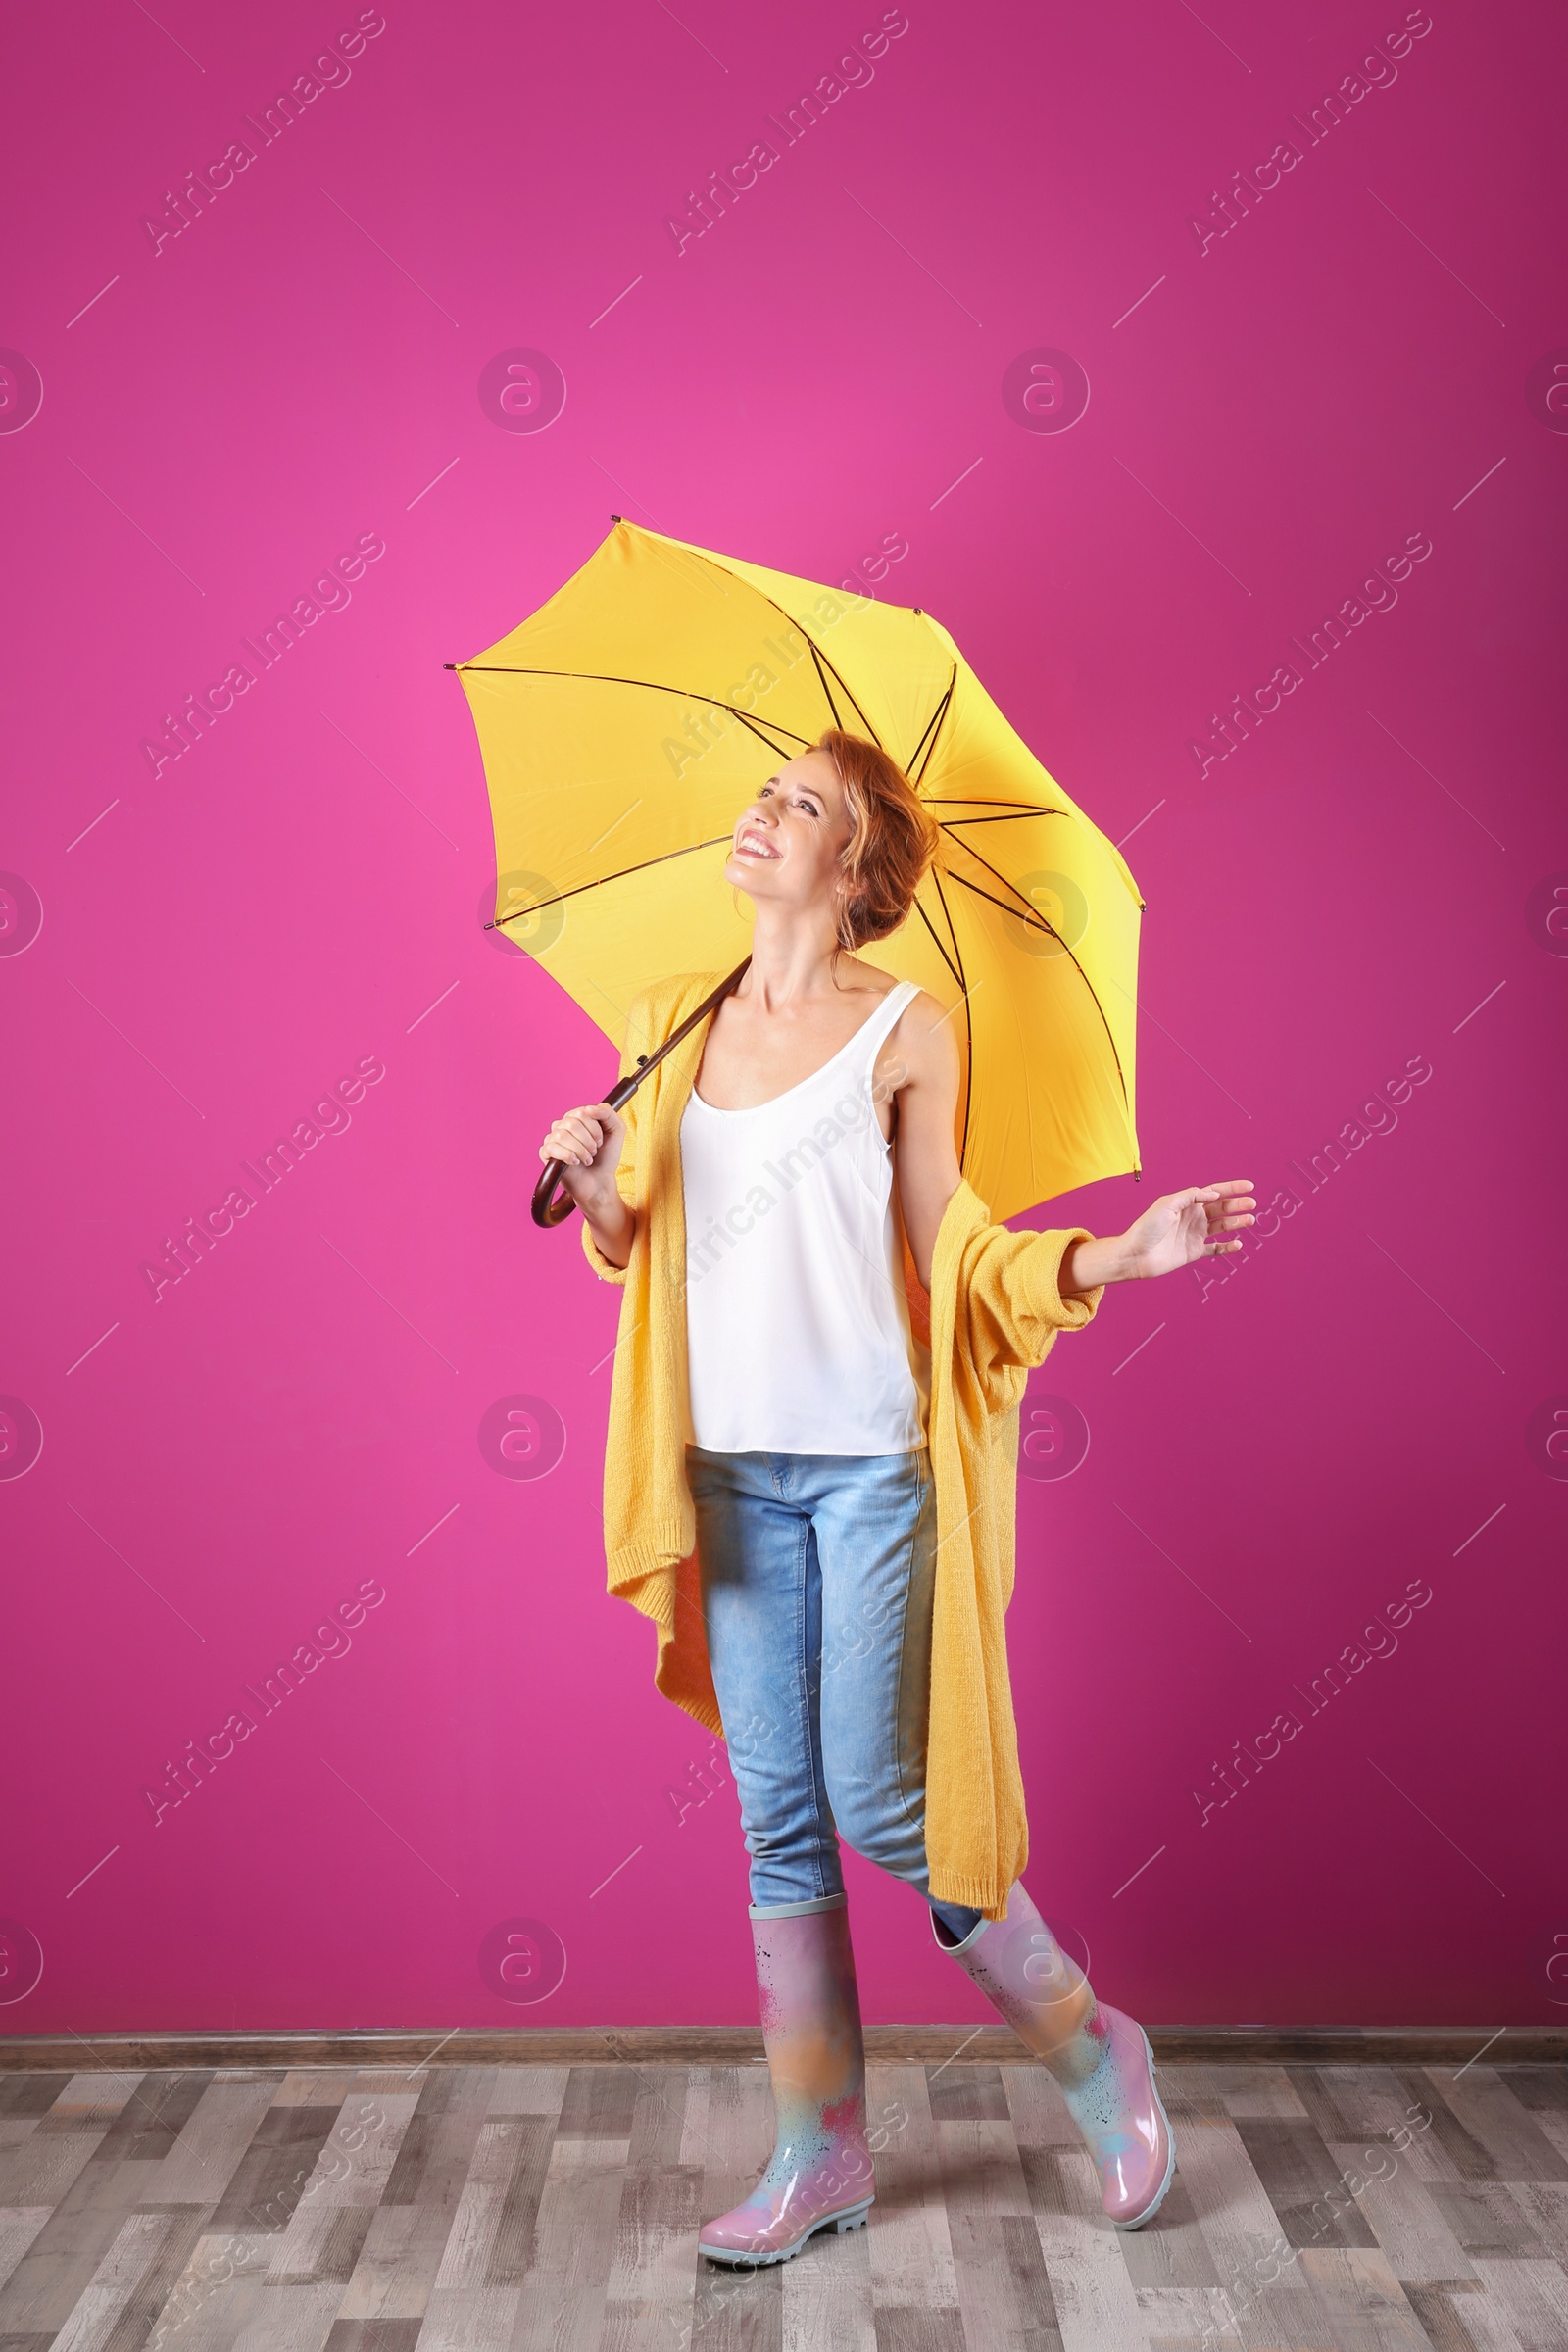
1361, 359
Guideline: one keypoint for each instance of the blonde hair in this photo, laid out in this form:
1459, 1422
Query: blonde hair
894, 840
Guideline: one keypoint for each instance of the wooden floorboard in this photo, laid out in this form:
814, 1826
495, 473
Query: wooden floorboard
1543, 2049
506, 2207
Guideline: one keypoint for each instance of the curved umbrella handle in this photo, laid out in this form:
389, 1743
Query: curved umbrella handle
547, 1211
552, 1206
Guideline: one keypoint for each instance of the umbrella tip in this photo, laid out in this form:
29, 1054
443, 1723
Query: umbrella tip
448, 665
615, 518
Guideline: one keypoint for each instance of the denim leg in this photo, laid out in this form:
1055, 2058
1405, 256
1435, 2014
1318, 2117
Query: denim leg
761, 1592
875, 1522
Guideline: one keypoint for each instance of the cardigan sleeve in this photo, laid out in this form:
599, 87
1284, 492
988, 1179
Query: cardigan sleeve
1013, 1299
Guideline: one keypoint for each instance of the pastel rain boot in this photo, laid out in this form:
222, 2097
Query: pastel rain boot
820, 2176
1100, 2058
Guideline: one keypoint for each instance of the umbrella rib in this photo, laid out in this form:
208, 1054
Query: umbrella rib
592, 678
817, 655
1010, 817
778, 750
940, 948
1005, 880
826, 688
909, 765
599, 880
820, 658
1031, 914
934, 729
1023, 915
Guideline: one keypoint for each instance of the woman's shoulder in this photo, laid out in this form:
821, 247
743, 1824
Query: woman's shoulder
920, 1008
922, 1038
856, 972
854, 975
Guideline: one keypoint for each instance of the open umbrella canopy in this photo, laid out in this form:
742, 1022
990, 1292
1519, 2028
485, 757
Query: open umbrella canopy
627, 723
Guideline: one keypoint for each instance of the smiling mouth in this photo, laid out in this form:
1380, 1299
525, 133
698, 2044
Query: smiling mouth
751, 845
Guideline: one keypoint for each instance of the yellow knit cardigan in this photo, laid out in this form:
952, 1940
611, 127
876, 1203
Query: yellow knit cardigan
992, 1312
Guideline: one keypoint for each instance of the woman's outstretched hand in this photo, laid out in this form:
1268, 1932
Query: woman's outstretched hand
1180, 1228
1174, 1231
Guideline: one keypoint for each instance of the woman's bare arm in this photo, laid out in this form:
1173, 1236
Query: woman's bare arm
925, 1083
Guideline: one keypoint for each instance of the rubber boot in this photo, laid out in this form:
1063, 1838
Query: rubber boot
820, 2176
1100, 2058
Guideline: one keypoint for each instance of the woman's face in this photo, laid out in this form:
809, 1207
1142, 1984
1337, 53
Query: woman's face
789, 838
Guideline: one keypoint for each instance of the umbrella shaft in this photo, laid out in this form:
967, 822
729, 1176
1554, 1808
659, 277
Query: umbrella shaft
552, 1206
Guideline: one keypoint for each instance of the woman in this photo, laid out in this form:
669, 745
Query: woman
777, 1399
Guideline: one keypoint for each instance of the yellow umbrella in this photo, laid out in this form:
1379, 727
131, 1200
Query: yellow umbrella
626, 723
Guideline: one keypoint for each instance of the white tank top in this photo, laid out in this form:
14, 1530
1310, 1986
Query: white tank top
797, 1337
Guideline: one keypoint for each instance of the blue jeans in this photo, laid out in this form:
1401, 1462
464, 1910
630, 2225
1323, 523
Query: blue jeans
817, 1580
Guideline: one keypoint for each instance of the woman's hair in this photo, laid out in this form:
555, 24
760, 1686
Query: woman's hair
893, 841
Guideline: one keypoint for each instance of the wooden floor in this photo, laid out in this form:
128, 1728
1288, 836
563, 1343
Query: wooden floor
540, 2209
